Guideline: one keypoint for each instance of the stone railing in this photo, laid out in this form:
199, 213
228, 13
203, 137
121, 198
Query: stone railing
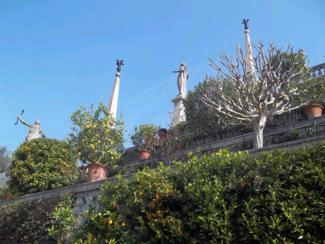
318, 70
272, 136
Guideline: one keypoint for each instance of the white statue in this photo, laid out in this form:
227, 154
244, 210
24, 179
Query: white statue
181, 80
35, 130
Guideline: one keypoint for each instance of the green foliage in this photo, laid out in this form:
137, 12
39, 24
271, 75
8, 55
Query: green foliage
314, 90
295, 61
27, 222
96, 136
145, 137
222, 197
43, 164
203, 120
63, 220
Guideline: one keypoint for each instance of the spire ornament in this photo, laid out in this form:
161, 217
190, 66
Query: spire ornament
119, 64
245, 23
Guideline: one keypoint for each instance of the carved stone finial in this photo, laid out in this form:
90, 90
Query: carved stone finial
245, 23
119, 63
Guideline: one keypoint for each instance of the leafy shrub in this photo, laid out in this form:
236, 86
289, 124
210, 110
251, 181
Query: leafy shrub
96, 136
27, 222
6, 193
43, 164
62, 220
222, 197
145, 137
204, 121
314, 90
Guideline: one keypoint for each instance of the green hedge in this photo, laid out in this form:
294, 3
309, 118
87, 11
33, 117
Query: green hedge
222, 197
27, 222
43, 164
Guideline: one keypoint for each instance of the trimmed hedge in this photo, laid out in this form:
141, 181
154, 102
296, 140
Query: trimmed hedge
221, 197
43, 164
27, 222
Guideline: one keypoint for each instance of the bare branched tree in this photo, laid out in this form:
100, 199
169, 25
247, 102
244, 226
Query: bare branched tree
5, 159
271, 90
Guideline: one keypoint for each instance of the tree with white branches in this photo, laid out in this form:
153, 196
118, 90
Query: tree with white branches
271, 89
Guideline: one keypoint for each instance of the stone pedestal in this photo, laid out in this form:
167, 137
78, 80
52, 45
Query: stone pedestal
178, 116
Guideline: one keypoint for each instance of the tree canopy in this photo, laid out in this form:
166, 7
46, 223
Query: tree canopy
272, 89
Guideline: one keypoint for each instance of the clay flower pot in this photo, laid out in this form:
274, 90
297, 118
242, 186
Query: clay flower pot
96, 172
313, 110
143, 155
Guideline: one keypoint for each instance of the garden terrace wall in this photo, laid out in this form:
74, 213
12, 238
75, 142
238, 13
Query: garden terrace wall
131, 165
87, 192
272, 136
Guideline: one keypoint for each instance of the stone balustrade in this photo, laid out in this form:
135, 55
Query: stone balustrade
318, 70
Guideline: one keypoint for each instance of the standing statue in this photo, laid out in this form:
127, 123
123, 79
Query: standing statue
181, 80
35, 130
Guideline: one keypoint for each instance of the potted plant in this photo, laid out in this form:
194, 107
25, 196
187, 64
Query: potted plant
144, 139
98, 139
314, 96
162, 134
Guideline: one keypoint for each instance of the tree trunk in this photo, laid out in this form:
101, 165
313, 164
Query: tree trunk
259, 126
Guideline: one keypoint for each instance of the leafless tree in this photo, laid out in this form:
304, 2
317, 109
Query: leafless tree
271, 90
5, 159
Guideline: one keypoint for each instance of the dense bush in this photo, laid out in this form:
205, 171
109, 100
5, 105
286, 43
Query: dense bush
314, 90
203, 121
27, 222
43, 164
97, 137
62, 219
222, 197
145, 137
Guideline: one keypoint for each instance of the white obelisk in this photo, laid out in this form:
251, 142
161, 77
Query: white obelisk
249, 60
114, 99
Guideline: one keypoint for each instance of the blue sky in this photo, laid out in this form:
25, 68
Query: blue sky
58, 55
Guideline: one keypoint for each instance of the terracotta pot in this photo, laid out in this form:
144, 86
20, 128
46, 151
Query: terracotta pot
313, 110
96, 172
143, 155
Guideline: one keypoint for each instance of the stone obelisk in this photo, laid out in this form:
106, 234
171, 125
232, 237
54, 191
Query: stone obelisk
179, 116
249, 59
114, 99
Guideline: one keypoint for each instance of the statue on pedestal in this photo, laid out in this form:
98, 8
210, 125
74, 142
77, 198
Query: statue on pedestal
35, 130
181, 80
179, 115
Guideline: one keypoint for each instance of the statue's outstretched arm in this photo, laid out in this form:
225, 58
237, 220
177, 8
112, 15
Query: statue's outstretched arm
42, 133
23, 121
